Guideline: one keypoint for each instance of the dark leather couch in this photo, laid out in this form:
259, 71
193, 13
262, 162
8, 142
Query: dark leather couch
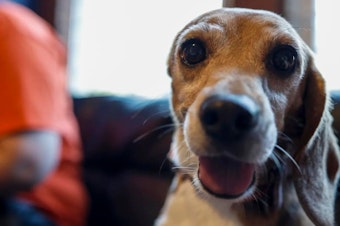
125, 141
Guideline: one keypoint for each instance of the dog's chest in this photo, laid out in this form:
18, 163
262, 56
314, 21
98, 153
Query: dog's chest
184, 208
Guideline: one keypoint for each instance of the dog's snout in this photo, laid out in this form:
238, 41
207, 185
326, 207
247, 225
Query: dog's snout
228, 117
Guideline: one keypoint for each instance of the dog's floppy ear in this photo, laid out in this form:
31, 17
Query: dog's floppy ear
317, 154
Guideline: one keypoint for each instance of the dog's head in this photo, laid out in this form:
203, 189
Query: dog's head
245, 92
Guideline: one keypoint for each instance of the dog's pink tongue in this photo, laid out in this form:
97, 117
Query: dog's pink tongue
224, 176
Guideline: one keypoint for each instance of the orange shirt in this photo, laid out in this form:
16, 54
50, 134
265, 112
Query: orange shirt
34, 95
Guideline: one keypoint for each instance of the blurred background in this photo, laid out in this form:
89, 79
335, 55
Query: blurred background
121, 47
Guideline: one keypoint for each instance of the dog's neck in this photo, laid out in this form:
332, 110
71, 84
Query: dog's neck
184, 207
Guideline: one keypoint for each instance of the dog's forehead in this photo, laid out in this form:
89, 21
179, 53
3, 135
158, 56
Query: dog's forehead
237, 20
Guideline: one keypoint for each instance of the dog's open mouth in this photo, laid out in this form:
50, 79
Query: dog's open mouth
224, 177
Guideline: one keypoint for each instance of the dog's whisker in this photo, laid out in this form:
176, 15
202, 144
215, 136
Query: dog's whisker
166, 126
285, 137
277, 159
181, 145
159, 113
169, 130
278, 147
188, 160
185, 170
189, 155
257, 201
165, 159
142, 107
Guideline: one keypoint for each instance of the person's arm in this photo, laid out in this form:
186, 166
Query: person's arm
26, 158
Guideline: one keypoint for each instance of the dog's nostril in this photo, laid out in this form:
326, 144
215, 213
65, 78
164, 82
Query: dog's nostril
210, 117
246, 119
228, 117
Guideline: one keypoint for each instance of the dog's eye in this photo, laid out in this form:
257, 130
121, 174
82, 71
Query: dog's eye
284, 59
192, 52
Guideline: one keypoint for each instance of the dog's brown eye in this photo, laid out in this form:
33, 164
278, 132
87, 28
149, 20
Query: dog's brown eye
284, 59
192, 52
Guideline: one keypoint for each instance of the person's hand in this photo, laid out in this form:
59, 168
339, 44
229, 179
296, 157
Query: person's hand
26, 158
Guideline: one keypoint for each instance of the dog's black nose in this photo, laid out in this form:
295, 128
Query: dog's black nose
228, 117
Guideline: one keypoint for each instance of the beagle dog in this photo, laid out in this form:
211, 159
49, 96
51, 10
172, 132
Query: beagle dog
253, 142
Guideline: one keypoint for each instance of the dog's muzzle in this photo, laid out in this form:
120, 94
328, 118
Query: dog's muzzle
227, 120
